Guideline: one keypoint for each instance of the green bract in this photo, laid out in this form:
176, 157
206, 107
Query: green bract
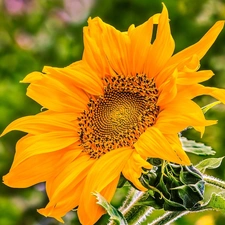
173, 187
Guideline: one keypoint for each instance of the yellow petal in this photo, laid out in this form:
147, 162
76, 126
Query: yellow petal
191, 91
66, 204
168, 90
44, 166
93, 52
66, 116
115, 46
25, 175
216, 93
92, 216
162, 47
191, 64
185, 78
153, 144
67, 82
64, 191
134, 168
180, 114
32, 77
201, 47
31, 145
140, 43
176, 145
82, 77
70, 176
105, 171
53, 94
41, 123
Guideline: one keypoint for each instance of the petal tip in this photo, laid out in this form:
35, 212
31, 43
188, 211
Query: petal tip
31, 77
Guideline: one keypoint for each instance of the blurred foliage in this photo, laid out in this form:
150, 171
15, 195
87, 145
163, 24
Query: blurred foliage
37, 33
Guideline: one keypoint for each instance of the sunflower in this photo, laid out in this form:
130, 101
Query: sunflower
105, 115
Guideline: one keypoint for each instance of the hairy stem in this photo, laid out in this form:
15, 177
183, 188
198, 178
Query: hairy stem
169, 217
134, 213
214, 181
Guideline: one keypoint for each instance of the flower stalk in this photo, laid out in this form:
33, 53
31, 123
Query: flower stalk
132, 210
168, 217
214, 181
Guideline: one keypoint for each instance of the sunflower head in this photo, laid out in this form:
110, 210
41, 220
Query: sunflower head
118, 118
124, 102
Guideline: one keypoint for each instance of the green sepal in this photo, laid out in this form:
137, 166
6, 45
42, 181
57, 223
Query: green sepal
196, 148
114, 213
148, 178
210, 163
173, 206
151, 201
162, 186
122, 181
191, 194
155, 161
173, 187
190, 175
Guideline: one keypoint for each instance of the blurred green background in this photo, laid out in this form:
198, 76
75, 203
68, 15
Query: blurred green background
49, 32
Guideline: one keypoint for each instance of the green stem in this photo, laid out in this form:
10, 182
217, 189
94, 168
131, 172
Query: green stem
132, 195
214, 181
136, 196
138, 214
133, 213
168, 218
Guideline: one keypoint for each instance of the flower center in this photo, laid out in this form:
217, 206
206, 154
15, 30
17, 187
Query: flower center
118, 118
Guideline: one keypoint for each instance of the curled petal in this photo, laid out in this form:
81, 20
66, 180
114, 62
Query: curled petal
134, 168
152, 143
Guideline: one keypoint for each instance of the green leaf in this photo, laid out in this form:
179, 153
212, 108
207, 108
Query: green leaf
216, 202
210, 163
114, 213
209, 106
196, 148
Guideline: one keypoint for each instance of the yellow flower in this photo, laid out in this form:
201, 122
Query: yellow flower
124, 102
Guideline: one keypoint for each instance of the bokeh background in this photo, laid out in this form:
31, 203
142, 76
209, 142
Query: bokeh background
49, 32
